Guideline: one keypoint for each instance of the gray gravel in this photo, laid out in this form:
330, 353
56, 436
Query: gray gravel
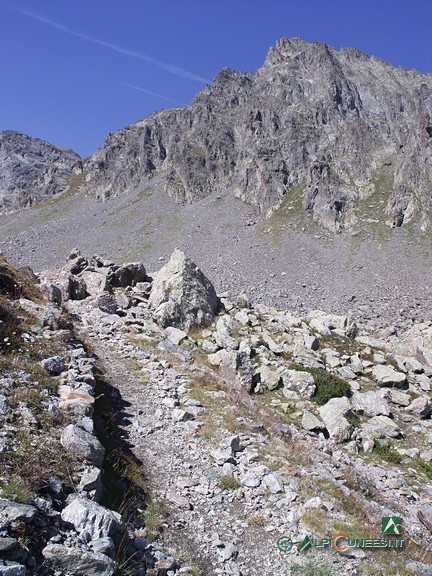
381, 275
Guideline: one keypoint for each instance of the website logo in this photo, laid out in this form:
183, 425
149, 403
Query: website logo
391, 525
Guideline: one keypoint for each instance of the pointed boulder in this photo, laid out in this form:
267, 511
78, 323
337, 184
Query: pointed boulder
181, 296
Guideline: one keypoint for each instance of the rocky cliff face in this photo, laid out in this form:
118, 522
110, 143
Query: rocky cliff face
31, 170
338, 125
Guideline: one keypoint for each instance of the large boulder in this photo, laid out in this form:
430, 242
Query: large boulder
388, 376
299, 382
181, 295
81, 444
333, 416
127, 275
92, 519
78, 562
11, 511
371, 403
95, 281
381, 427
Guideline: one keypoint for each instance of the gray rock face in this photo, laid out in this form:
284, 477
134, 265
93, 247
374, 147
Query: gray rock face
311, 422
32, 170
128, 275
90, 518
181, 295
333, 416
82, 444
12, 511
54, 365
78, 562
337, 126
107, 303
381, 427
12, 569
302, 383
270, 378
372, 403
388, 376
421, 407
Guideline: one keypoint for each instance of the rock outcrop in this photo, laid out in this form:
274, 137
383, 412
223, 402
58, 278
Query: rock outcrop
32, 170
338, 128
345, 135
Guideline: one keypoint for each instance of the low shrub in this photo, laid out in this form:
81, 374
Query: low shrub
386, 453
328, 385
228, 483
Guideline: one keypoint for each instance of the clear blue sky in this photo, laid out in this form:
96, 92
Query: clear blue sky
74, 70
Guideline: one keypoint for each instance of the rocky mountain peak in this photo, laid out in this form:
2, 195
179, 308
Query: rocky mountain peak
32, 169
339, 125
349, 133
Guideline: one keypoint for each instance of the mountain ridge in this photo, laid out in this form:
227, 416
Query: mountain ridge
261, 134
339, 124
32, 169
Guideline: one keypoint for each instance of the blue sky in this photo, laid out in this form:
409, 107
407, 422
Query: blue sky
72, 71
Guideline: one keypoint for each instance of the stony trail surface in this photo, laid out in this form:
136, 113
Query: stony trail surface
202, 521
193, 427
255, 423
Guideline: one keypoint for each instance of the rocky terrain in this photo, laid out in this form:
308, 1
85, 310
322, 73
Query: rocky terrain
338, 129
336, 126
32, 170
251, 180
160, 418
154, 427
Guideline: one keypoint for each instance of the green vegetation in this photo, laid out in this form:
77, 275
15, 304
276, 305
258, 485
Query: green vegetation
426, 467
153, 517
312, 567
316, 520
385, 452
33, 463
290, 215
15, 489
353, 419
228, 483
328, 385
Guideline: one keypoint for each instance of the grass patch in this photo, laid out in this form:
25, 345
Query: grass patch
385, 452
228, 483
153, 517
426, 467
34, 461
312, 567
316, 520
257, 521
328, 385
133, 365
353, 419
15, 489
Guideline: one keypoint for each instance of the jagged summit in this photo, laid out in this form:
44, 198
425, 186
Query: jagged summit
296, 48
341, 125
345, 131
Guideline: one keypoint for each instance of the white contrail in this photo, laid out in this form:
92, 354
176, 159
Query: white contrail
126, 84
132, 53
134, 87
